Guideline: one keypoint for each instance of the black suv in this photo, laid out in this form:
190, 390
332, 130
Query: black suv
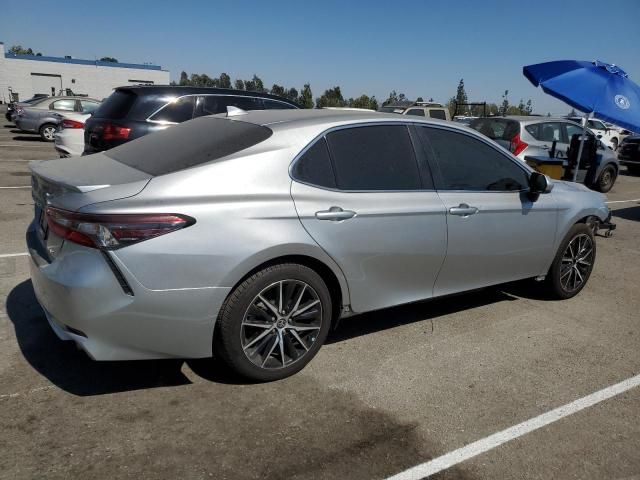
132, 112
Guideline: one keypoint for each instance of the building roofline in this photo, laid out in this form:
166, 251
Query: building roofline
77, 61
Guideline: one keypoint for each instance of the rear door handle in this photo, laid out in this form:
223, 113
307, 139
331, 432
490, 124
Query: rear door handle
463, 210
335, 214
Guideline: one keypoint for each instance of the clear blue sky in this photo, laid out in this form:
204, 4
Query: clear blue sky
420, 48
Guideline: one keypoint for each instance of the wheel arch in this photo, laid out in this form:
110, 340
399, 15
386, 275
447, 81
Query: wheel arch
331, 275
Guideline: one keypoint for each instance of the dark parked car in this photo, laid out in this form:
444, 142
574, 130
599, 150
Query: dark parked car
629, 153
11, 108
132, 112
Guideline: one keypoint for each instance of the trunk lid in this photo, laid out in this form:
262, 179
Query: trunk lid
72, 183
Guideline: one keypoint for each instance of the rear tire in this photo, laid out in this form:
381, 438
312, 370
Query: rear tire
273, 323
48, 132
606, 179
573, 263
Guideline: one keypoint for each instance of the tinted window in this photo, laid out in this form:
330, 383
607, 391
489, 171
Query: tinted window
466, 163
438, 114
88, 107
496, 128
189, 144
314, 166
574, 130
374, 158
65, 105
177, 111
213, 104
117, 105
596, 125
545, 132
275, 105
416, 111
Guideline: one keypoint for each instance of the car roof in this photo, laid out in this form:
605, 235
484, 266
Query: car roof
530, 119
185, 90
290, 119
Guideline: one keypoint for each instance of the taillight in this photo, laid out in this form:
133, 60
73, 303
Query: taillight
66, 123
110, 232
517, 145
115, 132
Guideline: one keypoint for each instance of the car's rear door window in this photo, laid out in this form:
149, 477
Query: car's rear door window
276, 105
377, 157
545, 131
496, 128
314, 166
66, 105
88, 106
437, 113
467, 163
177, 111
419, 112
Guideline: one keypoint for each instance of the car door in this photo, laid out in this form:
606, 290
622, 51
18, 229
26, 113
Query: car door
365, 197
496, 232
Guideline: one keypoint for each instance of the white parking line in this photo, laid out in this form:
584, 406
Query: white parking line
24, 186
624, 201
8, 255
11, 145
476, 448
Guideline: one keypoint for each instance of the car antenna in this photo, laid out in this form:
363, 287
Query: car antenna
235, 111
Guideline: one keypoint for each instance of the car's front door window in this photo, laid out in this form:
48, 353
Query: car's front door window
466, 163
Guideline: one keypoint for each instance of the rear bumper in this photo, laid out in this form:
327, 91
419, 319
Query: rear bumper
84, 302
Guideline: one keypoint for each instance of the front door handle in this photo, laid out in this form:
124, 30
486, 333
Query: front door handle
335, 214
463, 210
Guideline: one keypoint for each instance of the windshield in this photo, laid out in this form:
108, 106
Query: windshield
189, 144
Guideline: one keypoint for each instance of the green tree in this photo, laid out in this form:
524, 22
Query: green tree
306, 97
419, 99
291, 94
19, 50
573, 113
451, 106
505, 103
521, 108
224, 81
184, 79
277, 90
109, 59
331, 98
392, 98
461, 97
529, 108
363, 101
254, 85
492, 109
239, 84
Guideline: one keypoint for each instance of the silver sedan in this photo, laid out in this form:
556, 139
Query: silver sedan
250, 235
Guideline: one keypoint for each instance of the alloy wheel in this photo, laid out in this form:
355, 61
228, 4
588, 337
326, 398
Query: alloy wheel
577, 262
49, 133
281, 324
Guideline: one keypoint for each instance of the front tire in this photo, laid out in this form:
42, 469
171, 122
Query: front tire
48, 132
573, 264
606, 179
274, 322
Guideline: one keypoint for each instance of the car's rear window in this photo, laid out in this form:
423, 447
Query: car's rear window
496, 128
117, 105
189, 144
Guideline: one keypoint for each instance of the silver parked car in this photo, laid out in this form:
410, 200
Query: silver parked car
43, 116
248, 236
531, 135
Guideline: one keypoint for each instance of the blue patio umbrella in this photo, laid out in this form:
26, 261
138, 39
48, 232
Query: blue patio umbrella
598, 89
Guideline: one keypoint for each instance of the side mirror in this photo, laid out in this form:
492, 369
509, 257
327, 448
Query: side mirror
599, 136
539, 183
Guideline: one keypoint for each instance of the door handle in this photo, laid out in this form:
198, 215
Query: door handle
545, 147
335, 214
463, 210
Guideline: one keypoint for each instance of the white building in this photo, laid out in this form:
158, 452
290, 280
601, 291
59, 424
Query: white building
27, 75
